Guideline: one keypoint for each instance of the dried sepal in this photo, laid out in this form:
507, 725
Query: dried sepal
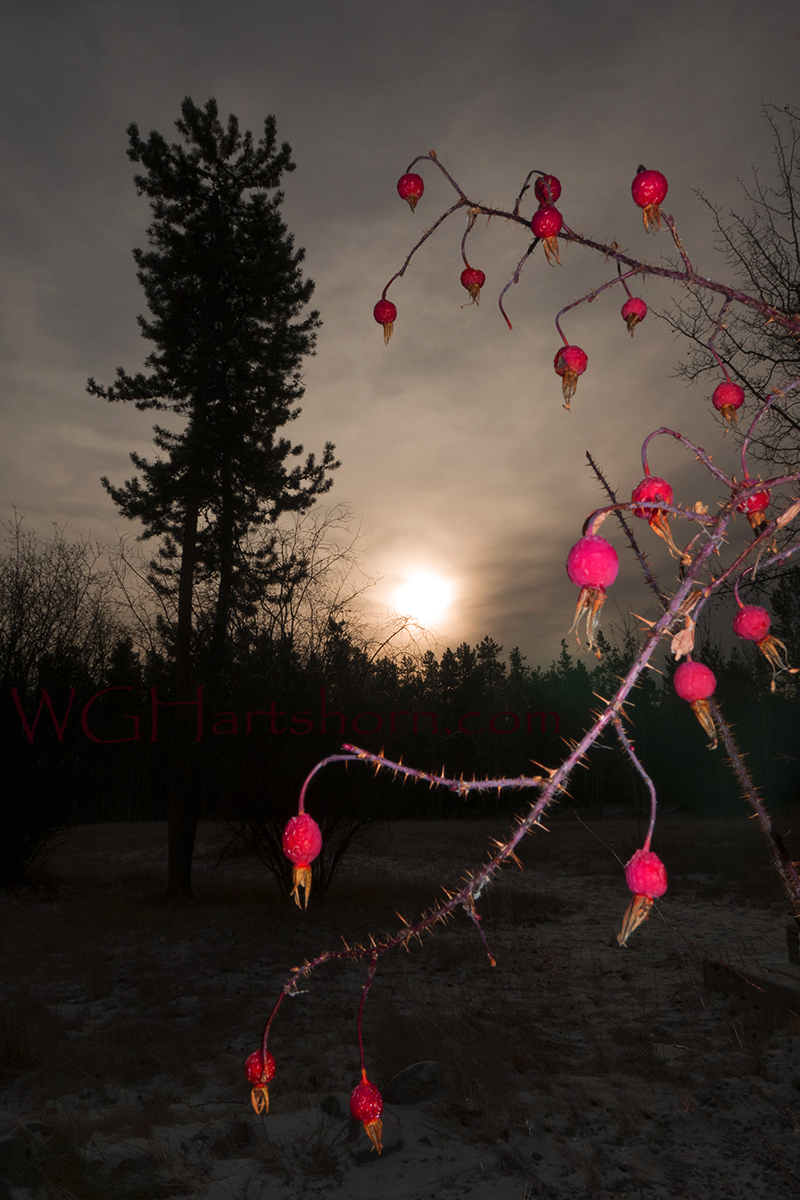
659, 523
702, 711
776, 654
550, 245
683, 641
590, 603
637, 911
301, 878
374, 1131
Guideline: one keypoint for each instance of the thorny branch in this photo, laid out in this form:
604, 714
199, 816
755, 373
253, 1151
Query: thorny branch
695, 585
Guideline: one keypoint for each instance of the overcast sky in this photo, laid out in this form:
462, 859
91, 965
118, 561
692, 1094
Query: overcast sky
456, 453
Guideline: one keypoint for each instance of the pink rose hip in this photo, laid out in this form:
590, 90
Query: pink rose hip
653, 488
473, 280
592, 565
366, 1105
695, 683
410, 187
569, 363
385, 314
255, 1068
302, 842
547, 189
754, 508
727, 398
592, 562
752, 623
649, 189
259, 1072
753, 504
546, 224
646, 877
633, 310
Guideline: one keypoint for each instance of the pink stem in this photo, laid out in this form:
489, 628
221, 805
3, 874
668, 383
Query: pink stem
629, 750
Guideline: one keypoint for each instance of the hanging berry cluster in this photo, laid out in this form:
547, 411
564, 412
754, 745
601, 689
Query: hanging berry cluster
592, 565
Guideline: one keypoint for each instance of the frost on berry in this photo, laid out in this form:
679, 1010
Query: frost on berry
726, 398
646, 876
569, 363
410, 187
649, 189
592, 565
653, 488
546, 224
260, 1071
385, 314
752, 624
547, 189
473, 280
695, 683
366, 1105
634, 310
302, 842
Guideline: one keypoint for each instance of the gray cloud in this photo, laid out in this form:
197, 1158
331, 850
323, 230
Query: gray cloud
455, 448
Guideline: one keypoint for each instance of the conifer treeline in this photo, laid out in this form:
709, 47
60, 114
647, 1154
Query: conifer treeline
98, 748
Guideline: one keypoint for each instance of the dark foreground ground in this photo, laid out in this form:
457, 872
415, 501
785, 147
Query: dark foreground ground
571, 1069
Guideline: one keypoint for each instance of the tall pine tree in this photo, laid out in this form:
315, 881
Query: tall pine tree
226, 294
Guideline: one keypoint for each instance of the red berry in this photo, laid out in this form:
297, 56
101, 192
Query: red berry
385, 314
473, 280
646, 875
410, 188
693, 681
634, 310
366, 1105
751, 623
570, 358
727, 395
302, 840
547, 189
546, 222
754, 504
592, 562
569, 363
651, 488
366, 1102
254, 1067
649, 188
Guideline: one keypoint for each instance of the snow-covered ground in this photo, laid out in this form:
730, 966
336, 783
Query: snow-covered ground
573, 1068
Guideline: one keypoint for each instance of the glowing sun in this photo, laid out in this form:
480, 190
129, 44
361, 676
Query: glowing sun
425, 596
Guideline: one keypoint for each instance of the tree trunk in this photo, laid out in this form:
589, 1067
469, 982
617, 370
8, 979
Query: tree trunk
222, 615
182, 810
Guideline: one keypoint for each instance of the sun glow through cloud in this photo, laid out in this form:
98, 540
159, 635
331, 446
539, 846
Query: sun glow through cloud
425, 596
